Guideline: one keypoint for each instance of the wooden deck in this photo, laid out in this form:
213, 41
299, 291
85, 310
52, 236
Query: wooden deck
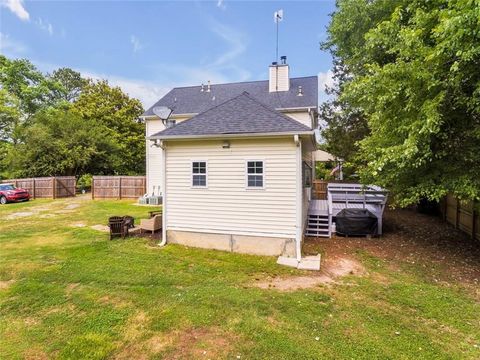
321, 213
318, 207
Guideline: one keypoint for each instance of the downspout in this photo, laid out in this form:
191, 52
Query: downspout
299, 211
164, 195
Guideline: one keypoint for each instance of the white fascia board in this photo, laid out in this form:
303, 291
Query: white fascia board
173, 116
230, 136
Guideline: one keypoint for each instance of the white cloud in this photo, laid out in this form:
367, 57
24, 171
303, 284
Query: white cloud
136, 44
45, 26
234, 39
221, 5
10, 47
145, 91
16, 6
219, 68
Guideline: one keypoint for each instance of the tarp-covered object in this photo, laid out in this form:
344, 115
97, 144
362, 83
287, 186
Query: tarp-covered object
356, 222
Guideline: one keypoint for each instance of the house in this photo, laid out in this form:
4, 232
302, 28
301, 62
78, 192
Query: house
234, 163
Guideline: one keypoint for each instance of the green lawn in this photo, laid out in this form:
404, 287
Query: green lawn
68, 292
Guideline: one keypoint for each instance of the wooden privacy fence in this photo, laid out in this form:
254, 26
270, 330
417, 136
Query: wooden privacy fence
462, 215
47, 187
118, 187
319, 189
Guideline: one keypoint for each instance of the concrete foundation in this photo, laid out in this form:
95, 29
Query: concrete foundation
255, 245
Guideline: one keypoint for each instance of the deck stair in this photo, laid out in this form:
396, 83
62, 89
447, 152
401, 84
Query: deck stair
318, 221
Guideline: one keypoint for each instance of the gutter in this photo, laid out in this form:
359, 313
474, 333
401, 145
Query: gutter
292, 109
164, 195
299, 205
230, 136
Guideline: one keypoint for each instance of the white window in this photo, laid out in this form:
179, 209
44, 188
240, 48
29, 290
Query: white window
255, 171
199, 173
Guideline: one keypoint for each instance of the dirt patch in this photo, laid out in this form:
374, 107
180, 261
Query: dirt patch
331, 271
5, 284
114, 301
295, 282
342, 266
29, 321
20, 214
136, 326
64, 211
412, 239
78, 225
194, 343
205, 343
99, 227
35, 354
70, 287
72, 206
47, 216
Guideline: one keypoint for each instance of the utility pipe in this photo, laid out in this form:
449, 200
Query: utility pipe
164, 195
299, 206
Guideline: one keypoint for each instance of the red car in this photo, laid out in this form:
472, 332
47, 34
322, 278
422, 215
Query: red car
9, 193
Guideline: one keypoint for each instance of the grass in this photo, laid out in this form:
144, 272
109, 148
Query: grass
68, 292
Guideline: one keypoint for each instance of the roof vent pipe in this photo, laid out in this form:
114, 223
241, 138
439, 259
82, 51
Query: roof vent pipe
208, 86
300, 91
201, 88
283, 60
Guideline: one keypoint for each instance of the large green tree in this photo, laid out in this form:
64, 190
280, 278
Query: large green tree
71, 83
119, 113
415, 78
60, 142
63, 124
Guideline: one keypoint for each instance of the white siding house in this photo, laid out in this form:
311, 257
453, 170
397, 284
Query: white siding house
235, 170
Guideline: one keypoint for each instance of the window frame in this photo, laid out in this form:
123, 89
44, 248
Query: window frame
247, 187
192, 174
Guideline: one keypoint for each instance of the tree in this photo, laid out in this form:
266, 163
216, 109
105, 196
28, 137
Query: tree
119, 113
71, 83
59, 142
21, 79
344, 125
63, 124
415, 78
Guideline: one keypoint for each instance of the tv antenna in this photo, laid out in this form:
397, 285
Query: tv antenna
277, 17
163, 113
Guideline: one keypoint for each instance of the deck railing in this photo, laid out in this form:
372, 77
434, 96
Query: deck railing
350, 193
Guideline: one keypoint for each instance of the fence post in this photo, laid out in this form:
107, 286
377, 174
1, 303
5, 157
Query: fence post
34, 189
54, 187
120, 188
92, 188
457, 213
474, 214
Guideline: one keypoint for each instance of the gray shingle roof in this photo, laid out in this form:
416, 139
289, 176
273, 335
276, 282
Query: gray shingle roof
190, 100
240, 115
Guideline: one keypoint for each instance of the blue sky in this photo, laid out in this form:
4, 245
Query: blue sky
148, 47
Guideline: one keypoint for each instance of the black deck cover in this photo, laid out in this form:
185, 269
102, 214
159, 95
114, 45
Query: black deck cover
353, 222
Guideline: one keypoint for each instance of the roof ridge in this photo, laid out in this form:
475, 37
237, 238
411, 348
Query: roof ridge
238, 82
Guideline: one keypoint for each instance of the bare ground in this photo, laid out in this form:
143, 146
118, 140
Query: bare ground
446, 254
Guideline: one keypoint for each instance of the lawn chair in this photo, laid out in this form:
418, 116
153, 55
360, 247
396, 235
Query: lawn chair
117, 227
153, 224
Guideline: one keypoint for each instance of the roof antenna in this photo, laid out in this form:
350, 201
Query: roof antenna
277, 17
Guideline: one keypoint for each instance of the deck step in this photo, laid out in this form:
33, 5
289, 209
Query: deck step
317, 225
